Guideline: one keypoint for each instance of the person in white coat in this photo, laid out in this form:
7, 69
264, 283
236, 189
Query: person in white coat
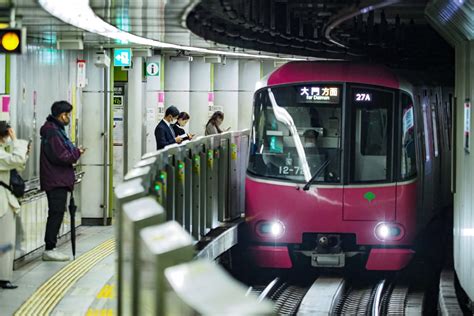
13, 155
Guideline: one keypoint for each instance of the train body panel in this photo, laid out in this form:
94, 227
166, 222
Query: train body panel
334, 72
320, 210
376, 203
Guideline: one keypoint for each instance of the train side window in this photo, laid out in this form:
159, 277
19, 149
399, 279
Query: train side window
408, 149
371, 134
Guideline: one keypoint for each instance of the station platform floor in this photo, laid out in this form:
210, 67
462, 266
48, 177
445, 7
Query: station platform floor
84, 286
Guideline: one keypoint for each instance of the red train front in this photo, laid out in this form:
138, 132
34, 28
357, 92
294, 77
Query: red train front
332, 168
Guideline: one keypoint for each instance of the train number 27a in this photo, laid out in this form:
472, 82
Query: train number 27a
363, 97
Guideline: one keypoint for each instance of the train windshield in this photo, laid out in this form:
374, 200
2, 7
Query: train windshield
297, 133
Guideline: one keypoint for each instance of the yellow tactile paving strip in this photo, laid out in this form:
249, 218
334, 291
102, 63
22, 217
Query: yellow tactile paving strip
104, 303
107, 291
43, 301
100, 312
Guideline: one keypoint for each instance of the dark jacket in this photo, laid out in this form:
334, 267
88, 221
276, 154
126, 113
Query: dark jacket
57, 156
163, 135
178, 131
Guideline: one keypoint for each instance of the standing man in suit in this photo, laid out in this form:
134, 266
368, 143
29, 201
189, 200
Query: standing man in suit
164, 133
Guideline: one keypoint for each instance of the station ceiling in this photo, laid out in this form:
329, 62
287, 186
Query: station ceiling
394, 32
161, 20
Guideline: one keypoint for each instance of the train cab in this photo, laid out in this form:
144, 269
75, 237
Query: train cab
332, 168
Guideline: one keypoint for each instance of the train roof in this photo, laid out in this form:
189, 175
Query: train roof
314, 71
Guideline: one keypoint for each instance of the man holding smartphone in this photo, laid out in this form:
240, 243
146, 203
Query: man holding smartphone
58, 154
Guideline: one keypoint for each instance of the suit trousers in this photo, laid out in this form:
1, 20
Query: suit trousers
7, 236
57, 199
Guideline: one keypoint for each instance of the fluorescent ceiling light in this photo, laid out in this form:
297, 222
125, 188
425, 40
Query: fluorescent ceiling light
79, 14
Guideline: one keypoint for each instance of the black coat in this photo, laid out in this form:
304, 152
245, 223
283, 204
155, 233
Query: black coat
178, 130
163, 135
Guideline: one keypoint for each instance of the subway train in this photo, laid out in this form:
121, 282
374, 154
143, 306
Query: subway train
347, 163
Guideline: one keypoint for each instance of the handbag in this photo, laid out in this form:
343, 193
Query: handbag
17, 184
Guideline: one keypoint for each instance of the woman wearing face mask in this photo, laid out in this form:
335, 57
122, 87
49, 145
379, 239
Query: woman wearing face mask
214, 123
13, 155
183, 119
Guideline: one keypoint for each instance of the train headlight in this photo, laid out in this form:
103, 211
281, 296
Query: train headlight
277, 229
273, 228
383, 231
388, 231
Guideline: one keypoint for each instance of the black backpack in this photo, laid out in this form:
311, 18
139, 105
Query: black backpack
17, 184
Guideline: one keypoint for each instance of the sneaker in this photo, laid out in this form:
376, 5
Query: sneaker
54, 255
7, 285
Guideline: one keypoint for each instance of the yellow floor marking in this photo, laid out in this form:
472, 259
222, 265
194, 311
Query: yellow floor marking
100, 312
43, 301
106, 292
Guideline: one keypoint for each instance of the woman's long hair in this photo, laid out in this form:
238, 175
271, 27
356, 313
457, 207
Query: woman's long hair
213, 120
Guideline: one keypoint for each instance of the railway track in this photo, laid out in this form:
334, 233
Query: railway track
337, 296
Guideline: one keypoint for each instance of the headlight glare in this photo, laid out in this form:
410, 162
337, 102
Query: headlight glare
388, 231
273, 228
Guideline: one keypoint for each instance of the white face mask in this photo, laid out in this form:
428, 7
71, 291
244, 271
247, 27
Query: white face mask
310, 145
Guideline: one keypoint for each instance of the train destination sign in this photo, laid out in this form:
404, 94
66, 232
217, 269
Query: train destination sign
318, 94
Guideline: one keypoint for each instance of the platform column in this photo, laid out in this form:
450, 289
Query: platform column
199, 95
249, 74
134, 114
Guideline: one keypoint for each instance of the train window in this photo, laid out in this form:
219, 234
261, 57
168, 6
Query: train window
301, 134
408, 150
371, 134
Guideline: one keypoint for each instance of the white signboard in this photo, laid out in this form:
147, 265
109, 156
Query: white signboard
161, 105
118, 127
81, 74
153, 69
215, 108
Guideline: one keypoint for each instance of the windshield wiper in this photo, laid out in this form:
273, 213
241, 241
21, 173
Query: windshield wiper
320, 169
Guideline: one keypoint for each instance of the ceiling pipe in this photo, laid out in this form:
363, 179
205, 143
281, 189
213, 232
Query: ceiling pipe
362, 8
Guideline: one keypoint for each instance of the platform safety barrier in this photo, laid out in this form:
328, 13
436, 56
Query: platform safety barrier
31, 220
169, 200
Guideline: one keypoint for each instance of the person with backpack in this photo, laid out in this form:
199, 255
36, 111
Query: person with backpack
13, 157
58, 154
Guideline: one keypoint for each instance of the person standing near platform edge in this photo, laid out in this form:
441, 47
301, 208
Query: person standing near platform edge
57, 178
178, 127
164, 133
213, 126
13, 155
